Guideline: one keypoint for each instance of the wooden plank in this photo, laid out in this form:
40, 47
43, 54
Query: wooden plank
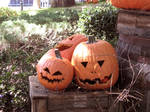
135, 11
77, 110
36, 89
70, 101
134, 23
44, 100
77, 100
75, 105
39, 105
148, 102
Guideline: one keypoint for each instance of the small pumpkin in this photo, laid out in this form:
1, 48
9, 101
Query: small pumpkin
55, 72
132, 4
66, 46
96, 65
71, 42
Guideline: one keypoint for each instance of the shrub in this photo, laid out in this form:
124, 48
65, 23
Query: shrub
24, 16
99, 21
58, 19
47, 16
7, 14
19, 30
17, 63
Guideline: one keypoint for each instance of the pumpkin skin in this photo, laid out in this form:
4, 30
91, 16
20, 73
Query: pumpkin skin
94, 1
55, 73
96, 65
132, 4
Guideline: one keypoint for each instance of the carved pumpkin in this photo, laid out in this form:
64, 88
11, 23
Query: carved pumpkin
71, 41
55, 73
66, 47
96, 65
132, 4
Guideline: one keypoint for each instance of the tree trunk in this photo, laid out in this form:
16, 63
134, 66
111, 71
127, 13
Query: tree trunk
62, 3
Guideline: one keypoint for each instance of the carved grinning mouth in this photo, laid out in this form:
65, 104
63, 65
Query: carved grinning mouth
96, 80
57, 73
51, 80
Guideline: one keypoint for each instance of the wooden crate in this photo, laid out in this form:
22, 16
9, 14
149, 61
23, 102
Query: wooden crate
43, 100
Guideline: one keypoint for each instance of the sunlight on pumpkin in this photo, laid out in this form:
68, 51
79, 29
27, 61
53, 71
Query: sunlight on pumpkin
80, 51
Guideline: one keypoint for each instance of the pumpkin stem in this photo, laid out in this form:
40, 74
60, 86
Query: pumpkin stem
91, 39
57, 53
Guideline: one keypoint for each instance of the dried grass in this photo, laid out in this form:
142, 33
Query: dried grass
129, 96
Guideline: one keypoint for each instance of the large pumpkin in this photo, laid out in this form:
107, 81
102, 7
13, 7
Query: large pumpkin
96, 65
132, 4
55, 73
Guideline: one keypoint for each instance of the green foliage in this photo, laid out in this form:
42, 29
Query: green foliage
17, 64
14, 89
99, 21
14, 80
47, 16
24, 15
19, 30
7, 14
37, 23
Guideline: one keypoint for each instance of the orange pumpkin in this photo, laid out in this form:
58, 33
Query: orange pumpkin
55, 72
94, 1
66, 46
88, 1
132, 4
71, 41
96, 65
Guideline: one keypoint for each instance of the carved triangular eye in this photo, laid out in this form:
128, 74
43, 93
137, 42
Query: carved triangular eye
47, 70
101, 63
84, 63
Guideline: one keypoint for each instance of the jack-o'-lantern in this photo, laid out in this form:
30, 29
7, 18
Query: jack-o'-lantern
66, 47
55, 72
132, 4
96, 65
